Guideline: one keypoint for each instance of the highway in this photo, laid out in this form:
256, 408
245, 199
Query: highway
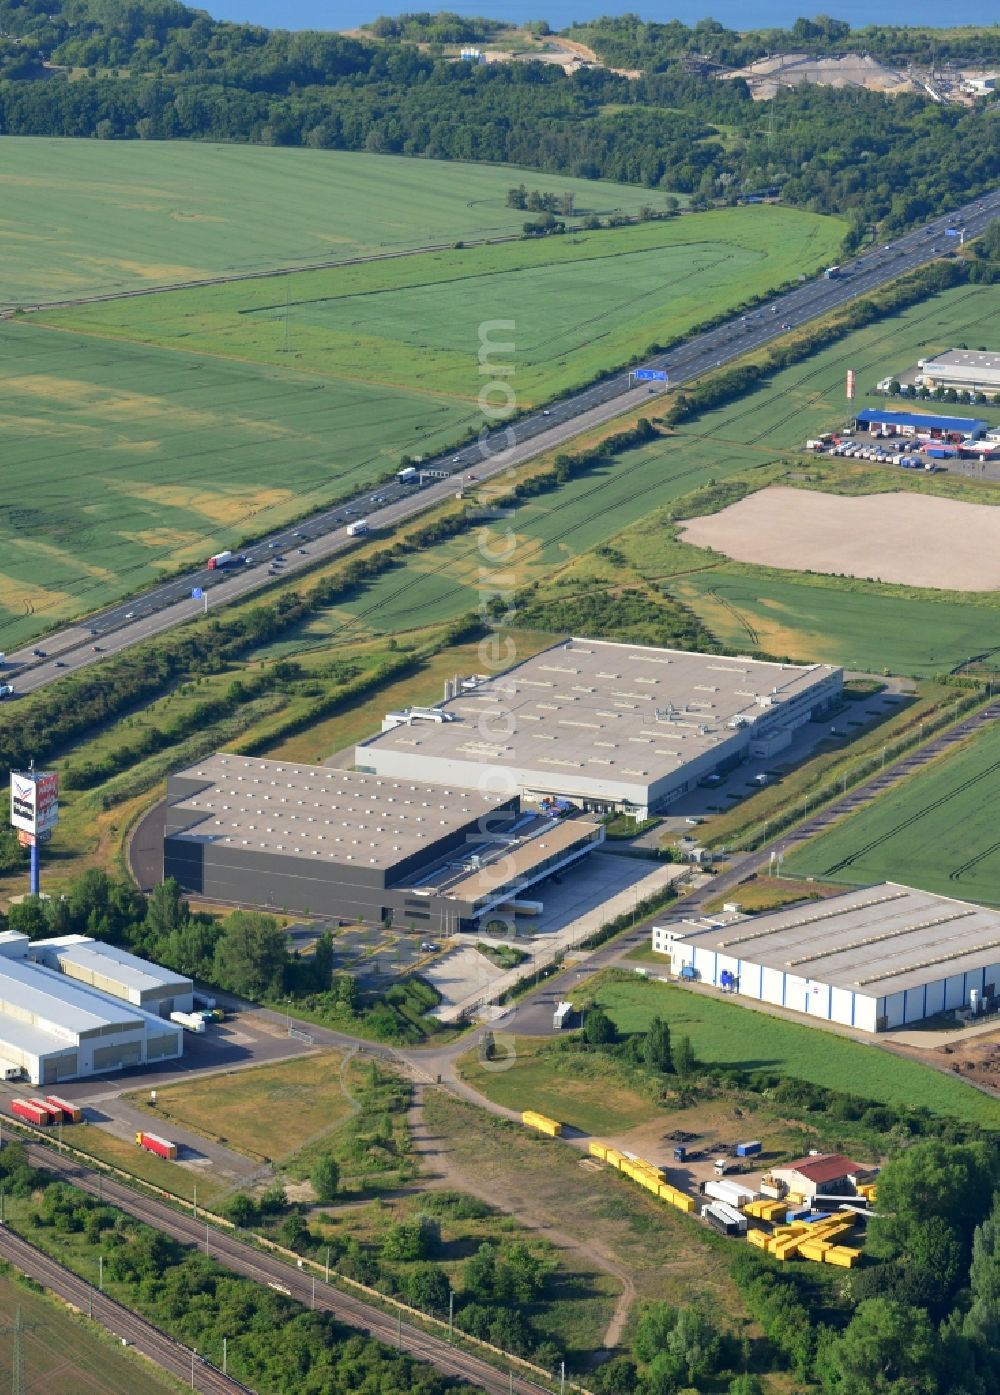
323, 534
148, 1339
300, 1284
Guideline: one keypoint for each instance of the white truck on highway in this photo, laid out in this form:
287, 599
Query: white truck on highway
358, 528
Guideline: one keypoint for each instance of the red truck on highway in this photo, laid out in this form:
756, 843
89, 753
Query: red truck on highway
162, 1147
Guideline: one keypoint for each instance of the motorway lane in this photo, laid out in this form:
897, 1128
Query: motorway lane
120, 1321
300, 1284
324, 534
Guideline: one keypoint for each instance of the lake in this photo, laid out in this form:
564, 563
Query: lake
735, 14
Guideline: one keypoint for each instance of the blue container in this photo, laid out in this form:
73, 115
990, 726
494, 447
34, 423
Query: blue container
798, 1213
747, 1150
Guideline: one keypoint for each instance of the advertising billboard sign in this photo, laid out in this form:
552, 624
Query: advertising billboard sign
34, 801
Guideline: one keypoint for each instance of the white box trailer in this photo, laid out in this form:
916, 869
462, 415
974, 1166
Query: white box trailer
730, 1214
190, 1021
358, 528
732, 1193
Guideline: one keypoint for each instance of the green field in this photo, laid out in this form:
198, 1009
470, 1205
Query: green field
739, 1037
122, 461
938, 830
568, 306
863, 629
83, 217
126, 459
65, 1355
266, 1113
591, 1093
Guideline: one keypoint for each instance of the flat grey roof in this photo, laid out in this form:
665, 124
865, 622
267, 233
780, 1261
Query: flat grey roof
965, 358
114, 963
33, 1040
615, 712
875, 941
336, 815
45, 993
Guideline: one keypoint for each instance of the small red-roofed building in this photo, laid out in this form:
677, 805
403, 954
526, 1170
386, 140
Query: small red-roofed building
822, 1173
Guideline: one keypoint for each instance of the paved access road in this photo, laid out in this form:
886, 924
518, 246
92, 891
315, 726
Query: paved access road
300, 1284
323, 534
148, 1339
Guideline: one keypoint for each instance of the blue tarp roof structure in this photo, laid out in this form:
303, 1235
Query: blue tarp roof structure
923, 420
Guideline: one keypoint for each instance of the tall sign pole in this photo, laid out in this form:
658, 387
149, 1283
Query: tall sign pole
34, 812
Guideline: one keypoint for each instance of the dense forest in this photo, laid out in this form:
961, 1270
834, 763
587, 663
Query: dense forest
154, 69
629, 42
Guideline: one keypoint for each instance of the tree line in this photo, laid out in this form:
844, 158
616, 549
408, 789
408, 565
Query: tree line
156, 70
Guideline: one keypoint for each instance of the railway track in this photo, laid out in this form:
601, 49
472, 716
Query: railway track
136, 1331
300, 1284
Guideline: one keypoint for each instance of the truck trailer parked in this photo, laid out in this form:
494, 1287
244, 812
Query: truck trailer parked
32, 1112
69, 1113
190, 1021
162, 1147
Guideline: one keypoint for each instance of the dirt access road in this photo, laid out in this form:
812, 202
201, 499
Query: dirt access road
440, 1170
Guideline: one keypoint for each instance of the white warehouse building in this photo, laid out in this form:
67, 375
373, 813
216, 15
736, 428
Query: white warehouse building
876, 959
116, 971
610, 726
53, 1028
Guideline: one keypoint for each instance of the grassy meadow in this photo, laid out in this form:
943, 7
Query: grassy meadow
570, 306
734, 1035
267, 1113
94, 217
937, 830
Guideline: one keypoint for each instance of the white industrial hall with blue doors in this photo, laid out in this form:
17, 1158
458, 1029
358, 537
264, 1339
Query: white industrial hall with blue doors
875, 958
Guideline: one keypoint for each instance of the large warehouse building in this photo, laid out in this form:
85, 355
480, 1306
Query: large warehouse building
337, 843
609, 726
876, 958
115, 971
969, 370
53, 1028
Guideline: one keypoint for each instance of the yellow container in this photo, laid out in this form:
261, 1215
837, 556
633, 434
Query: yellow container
843, 1255
760, 1238
614, 1157
814, 1249
598, 1150
541, 1122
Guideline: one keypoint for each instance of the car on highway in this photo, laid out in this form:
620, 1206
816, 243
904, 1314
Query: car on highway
38, 653
60, 663
130, 615
302, 552
97, 649
546, 413
456, 459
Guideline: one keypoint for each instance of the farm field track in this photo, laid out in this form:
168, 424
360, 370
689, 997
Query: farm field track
568, 307
938, 830
732, 1034
197, 210
62, 1356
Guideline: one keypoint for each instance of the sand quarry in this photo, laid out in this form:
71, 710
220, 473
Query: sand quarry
910, 539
